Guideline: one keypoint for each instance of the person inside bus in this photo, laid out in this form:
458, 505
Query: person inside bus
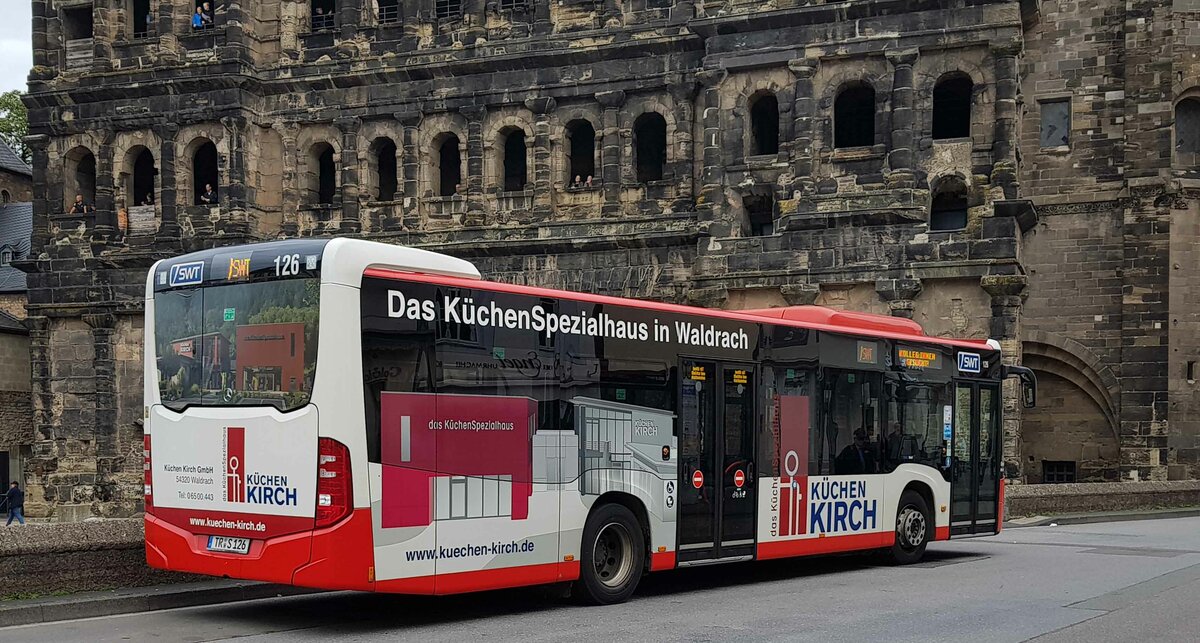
857, 458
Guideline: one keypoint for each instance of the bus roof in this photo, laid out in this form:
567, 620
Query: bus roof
811, 317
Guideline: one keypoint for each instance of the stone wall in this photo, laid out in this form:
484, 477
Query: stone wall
14, 362
18, 186
1082, 498
13, 304
62, 558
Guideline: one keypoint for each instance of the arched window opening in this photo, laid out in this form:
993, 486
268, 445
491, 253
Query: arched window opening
5, 197
650, 147
1187, 127
6, 254
515, 165
949, 208
854, 117
581, 150
760, 212
80, 178
952, 107
144, 171
142, 17
205, 174
324, 14
764, 124
326, 178
449, 170
386, 179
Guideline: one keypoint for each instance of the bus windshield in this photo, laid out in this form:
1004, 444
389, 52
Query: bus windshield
244, 344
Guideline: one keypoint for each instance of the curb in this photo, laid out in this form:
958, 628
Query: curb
1092, 518
142, 599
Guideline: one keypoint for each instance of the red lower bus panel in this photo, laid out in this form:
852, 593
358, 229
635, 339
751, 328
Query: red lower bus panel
662, 560
273, 560
942, 533
342, 556
482, 580
830, 545
1000, 508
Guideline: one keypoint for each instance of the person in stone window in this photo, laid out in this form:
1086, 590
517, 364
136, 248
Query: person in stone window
80, 206
210, 195
207, 15
198, 19
578, 183
588, 182
149, 200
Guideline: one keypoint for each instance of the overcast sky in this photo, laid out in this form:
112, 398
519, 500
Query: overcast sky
16, 46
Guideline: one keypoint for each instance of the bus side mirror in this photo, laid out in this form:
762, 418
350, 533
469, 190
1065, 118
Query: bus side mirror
1028, 391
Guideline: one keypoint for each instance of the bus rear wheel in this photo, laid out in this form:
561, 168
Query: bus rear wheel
613, 555
913, 529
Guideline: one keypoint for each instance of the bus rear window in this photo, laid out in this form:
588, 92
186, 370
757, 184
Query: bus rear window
245, 344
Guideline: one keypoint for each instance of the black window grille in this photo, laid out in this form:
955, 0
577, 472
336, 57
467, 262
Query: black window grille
389, 12
1058, 471
447, 9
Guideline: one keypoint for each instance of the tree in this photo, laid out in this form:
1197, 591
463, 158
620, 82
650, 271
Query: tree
14, 123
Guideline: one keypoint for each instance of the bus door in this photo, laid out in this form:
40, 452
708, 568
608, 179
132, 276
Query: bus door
975, 459
717, 475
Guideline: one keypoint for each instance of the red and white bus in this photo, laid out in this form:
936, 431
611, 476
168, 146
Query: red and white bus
344, 414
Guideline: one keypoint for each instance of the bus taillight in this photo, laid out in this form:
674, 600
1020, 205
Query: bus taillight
334, 493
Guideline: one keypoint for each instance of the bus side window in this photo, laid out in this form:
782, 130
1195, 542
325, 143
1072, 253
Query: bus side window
847, 443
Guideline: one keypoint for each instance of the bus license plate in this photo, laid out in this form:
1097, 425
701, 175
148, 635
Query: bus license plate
227, 544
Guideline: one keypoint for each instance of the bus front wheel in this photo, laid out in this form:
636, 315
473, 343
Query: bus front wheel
612, 557
913, 529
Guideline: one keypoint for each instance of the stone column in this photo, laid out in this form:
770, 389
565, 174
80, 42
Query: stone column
350, 17
543, 197
684, 94
232, 24
289, 174
44, 61
233, 193
45, 200
1008, 84
899, 295
610, 150
900, 158
804, 115
105, 199
1008, 293
541, 18
169, 50
168, 230
107, 445
349, 127
475, 199
411, 169
104, 18
712, 175
44, 457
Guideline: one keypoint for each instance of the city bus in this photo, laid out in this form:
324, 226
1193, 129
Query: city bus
343, 414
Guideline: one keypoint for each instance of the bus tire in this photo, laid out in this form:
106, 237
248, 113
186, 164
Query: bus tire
913, 529
612, 557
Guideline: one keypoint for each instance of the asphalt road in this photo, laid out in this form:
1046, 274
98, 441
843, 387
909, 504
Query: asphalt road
1099, 582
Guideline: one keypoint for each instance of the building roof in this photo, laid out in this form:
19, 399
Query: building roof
11, 161
11, 325
16, 232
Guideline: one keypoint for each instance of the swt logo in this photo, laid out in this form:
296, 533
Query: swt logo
235, 464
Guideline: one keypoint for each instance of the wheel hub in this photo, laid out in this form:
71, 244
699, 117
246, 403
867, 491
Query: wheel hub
910, 528
612, 555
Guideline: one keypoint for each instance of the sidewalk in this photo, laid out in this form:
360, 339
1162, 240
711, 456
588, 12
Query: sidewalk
138, 599
1101, 516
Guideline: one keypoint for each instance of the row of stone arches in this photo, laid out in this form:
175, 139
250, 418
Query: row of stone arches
138, 172
854, 111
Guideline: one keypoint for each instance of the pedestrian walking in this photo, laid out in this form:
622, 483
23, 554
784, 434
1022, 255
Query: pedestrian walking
16, 503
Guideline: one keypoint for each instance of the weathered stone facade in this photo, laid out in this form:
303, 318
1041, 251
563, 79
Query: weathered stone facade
898, 175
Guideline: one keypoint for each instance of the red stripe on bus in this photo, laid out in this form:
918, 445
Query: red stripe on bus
660, 561
477, 284
1000, 507
942, 533
830, 545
